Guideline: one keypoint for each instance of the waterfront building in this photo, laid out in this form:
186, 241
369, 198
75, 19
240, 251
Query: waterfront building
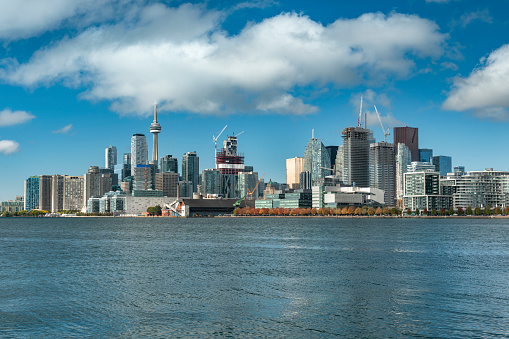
410, 137
294, 167
403, 160
96, 184
11, 206
138, 150
481, 188
110, 157
211, 182
417, 166
355, 169
168, 164
147, 193
425, 154
191, 169
247, 183
382, 166
340, 195
422, 191
57, 193
31, 200
298, 199
316, 159
73, 197
45, 190
443, 164
167, 182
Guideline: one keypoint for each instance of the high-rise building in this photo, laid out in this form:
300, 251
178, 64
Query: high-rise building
458, 169
382, 165
425, 154
294, 167
155, 129
333, 152
443, 164
45, 190
31, 193
110, 157
96, 184
191, 169
57, 193
138, 150
169, 164
339, 162
403, 160
305, 180
142, 178
167, 182
247, 183
185, 189
356, 156
73, 197
410, 137
316, 159
126, 166
211, 181
422, 191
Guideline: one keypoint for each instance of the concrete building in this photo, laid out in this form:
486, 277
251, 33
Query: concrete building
443, 164
95, 184
191, 169
168, 164
382, 168
410, 137
417, 166
57, 193
403, 160
110, 157
339, 195
294, 167
316, 159
45, 190
31, 196
422, 191
73, 197
355, 169
167, 182
480, 188
11, 206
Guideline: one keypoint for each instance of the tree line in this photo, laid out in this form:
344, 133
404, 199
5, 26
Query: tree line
368, 211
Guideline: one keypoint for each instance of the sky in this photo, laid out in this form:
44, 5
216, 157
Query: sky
77, 76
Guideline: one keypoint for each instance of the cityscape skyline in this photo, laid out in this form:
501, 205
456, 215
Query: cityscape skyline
60, 124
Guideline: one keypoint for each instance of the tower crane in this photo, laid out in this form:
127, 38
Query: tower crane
214, 140
239, 134
386, 133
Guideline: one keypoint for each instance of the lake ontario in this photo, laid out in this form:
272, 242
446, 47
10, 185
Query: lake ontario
254, 277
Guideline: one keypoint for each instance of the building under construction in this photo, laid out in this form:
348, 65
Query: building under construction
230, 164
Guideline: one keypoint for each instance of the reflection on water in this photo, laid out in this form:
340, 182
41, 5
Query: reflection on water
121, 277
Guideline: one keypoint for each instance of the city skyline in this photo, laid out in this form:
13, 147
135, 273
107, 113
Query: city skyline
58, 117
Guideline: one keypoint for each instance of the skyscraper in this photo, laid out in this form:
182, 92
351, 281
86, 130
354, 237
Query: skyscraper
31, 193
110, 157
138, 150
126, 166
382, 174
191, 169
211, 181
403, 160
169, 164
410, 137
425, 154
155, 129
443, 164
247, 183
356, 156
294, 167
45, 190
167, 182
316, 159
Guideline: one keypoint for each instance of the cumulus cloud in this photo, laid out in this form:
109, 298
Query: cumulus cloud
467, 18
181, 58
484, 91
10, 118
8, 146
63, 130
27, 18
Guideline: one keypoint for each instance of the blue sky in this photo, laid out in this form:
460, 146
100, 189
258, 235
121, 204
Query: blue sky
77, 76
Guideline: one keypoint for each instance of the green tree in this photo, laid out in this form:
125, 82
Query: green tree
434, 212
468, 211
451, 211
487, 210
478, 211
158, 210
409, 211
417, 212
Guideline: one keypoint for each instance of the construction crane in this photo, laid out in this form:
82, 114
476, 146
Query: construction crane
239, 134
386, 133
249, 192
214, 139
359, 121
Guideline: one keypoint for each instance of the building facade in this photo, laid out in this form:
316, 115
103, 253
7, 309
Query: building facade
169, 164
316, 159
443, 164
410, 137
191, 169
382, 166
355, 169
211, 182
167, 182
31, 193
139, 151
247, 184
422, 191
110, 157
294, 167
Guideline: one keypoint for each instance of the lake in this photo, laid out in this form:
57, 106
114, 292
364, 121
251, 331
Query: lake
254, 277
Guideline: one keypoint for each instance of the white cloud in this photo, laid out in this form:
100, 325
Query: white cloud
485, 90
467, 18
182, 58
63, 130
10, 118
21, 19
449, 65
8, 146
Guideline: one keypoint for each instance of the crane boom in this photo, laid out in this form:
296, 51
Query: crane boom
214, 139
386, 133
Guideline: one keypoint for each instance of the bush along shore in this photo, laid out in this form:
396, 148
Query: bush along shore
370, 211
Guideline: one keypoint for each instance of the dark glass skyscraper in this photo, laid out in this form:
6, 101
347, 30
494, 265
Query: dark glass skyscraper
191, 169
410, 137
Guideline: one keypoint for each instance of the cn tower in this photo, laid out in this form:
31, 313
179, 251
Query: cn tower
155, 129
